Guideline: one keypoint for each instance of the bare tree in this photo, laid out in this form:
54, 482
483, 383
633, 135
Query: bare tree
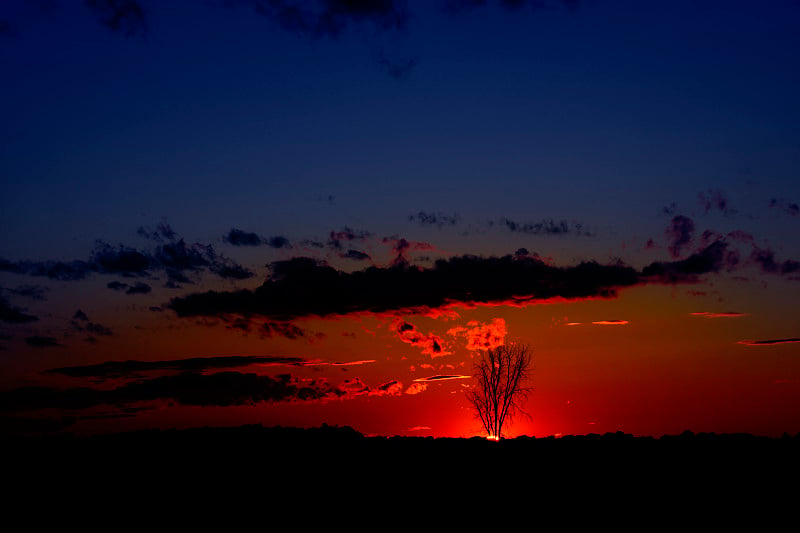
502, 374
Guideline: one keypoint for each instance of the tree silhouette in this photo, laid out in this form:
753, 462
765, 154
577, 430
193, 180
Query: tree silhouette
501, 373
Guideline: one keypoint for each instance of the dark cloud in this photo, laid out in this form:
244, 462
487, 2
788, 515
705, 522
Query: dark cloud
80, 322
34, 292
786, 206
321, 18
355, 255
117, 285
38, 341
172, 255
13, 314
398, 69
714, 199
230, 270
139, 288
131, 368
119, 260
239, 237
679, 234
765, 259
337, 238
305, 286
221, 389
58, 270
437, 219
770, 342
282, 329
401, 246
711, 259
163, 232
456, 7
544, 227
279, 241
126, 16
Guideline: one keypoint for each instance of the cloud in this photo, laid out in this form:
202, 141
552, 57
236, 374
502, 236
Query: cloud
351, 363
790, 208
765, 259
355, 255
162, 232
437, 219
14, 315
390, 388
611, 323
329, 18
456, 7
133, 368
727, 314
679, 234
282, 329
221, 389
401, 247
770, 342
337, 238
417, 388
431, 344
302, 287
38, 341
419, 428
126, 16
278, 241
482, 336
117, 285
34, 292
172, 255
238, 237
139, 288
714, 199
545, 227
441, 377
712, 258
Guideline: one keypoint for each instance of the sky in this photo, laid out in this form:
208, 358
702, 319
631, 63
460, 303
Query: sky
284, 212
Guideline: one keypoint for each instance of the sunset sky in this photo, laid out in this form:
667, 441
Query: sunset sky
285, 212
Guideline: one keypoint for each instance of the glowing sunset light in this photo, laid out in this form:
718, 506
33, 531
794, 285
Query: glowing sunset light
368, 256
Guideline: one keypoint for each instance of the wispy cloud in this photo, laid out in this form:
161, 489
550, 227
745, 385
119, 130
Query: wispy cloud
769, 342
441, 377
726, 314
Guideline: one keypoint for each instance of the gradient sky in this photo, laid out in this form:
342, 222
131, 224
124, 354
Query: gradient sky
614, 183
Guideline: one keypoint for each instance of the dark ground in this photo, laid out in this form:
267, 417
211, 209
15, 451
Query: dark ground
278, 469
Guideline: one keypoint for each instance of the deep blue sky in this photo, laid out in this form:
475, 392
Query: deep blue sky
216, 117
